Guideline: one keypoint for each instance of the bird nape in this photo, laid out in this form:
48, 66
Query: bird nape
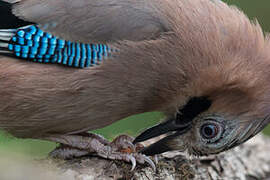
202, 63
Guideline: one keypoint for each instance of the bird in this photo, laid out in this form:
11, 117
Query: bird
202, 63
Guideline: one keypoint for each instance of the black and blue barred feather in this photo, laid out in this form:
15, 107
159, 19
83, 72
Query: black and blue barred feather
33, 44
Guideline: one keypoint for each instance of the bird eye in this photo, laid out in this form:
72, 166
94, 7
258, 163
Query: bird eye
210, 130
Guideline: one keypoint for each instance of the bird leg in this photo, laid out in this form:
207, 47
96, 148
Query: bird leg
121, 148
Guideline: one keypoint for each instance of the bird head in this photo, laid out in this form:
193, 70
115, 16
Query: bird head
225, 68
219, 120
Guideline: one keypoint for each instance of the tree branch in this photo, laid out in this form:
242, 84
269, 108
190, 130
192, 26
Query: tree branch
250, 161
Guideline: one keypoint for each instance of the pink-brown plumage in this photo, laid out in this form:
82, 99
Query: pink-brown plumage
197, 48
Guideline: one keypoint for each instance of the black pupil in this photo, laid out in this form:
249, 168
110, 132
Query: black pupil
209, 131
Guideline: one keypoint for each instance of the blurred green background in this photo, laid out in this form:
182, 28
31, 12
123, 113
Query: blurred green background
132, 125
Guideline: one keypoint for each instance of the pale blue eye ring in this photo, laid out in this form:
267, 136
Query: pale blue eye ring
211, 131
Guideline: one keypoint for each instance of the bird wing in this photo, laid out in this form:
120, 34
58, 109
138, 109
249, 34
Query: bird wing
93, 20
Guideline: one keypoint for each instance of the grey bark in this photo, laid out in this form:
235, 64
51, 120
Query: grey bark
250, 161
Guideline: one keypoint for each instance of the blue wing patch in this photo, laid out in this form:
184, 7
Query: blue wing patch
33, 44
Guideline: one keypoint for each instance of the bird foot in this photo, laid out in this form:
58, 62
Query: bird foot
121, 148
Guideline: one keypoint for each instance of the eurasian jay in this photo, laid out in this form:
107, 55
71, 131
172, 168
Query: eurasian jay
202, 63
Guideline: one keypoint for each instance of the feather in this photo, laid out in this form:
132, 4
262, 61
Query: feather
33, 44
94, 21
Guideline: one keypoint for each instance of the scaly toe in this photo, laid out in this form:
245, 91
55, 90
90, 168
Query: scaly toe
65, 152
141, 158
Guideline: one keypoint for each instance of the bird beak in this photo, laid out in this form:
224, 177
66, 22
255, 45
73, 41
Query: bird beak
162, 145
